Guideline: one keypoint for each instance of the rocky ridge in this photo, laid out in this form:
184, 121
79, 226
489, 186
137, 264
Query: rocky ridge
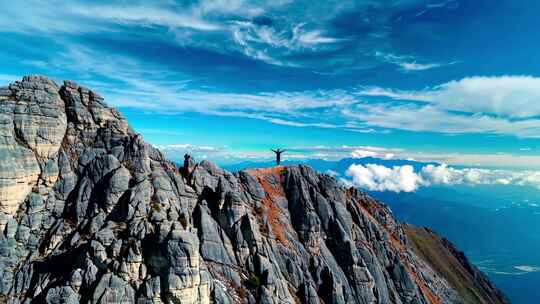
90, 213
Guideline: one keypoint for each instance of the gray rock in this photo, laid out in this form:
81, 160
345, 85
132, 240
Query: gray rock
215, 244
112, 289
63, 295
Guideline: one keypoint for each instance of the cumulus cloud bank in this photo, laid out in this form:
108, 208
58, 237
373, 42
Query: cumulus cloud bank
404, 179
380, 178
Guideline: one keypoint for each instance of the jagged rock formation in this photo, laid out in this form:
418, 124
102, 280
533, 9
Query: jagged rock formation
90, 213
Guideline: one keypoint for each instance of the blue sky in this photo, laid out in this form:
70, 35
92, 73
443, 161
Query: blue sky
444, 80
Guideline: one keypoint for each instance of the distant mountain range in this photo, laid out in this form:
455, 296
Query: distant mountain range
338, 166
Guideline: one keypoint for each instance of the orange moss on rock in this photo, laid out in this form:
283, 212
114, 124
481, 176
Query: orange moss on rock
272, 191
262, 172
426, 291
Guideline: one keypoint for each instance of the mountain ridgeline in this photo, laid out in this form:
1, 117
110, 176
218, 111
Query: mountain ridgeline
90, 213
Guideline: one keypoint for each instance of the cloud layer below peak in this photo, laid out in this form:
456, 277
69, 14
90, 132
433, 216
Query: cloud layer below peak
375, 177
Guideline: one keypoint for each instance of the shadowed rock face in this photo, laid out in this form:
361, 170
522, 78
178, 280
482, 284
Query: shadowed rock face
90, 213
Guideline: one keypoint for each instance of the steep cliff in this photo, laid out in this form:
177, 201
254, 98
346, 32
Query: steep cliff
90, 213
452, 264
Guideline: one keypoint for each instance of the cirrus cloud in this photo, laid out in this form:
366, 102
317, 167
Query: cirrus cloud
430, 118
274, 32
507, 105
509, 96
409, 63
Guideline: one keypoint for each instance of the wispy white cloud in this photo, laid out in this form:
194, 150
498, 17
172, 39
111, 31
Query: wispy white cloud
267, 43
333, 153
220, 154
368, 153
514, 169
145, 15
344, 148
80, 16
442, 4
6, 78
505, 161
507, 105
188, 147
512, 96
517, 270
34, 16
150, 88
415, 66
143, 86
224, 154
132, 84
429, 118
150, 131
363, 153
345, 151
221, 26
294, 27
489, 105
527, 268
409, 63
310, 38
449, 4
491, 160
368, 131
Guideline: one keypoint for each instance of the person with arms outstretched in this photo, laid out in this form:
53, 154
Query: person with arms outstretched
278, 155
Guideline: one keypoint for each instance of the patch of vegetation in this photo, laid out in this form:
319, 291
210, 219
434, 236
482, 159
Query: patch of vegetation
183, 220
253, 282
264, 229
155, 206
259, 210
242, 292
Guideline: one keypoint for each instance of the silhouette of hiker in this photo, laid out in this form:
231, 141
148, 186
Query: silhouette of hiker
188, 163
278, 155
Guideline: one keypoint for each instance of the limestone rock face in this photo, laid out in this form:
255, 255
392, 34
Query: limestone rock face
32, 127
90, 213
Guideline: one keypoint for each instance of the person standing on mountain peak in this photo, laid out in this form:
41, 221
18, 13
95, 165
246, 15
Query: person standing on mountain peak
278, 155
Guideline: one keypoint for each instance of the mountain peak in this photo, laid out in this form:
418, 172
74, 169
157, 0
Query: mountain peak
78, 185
